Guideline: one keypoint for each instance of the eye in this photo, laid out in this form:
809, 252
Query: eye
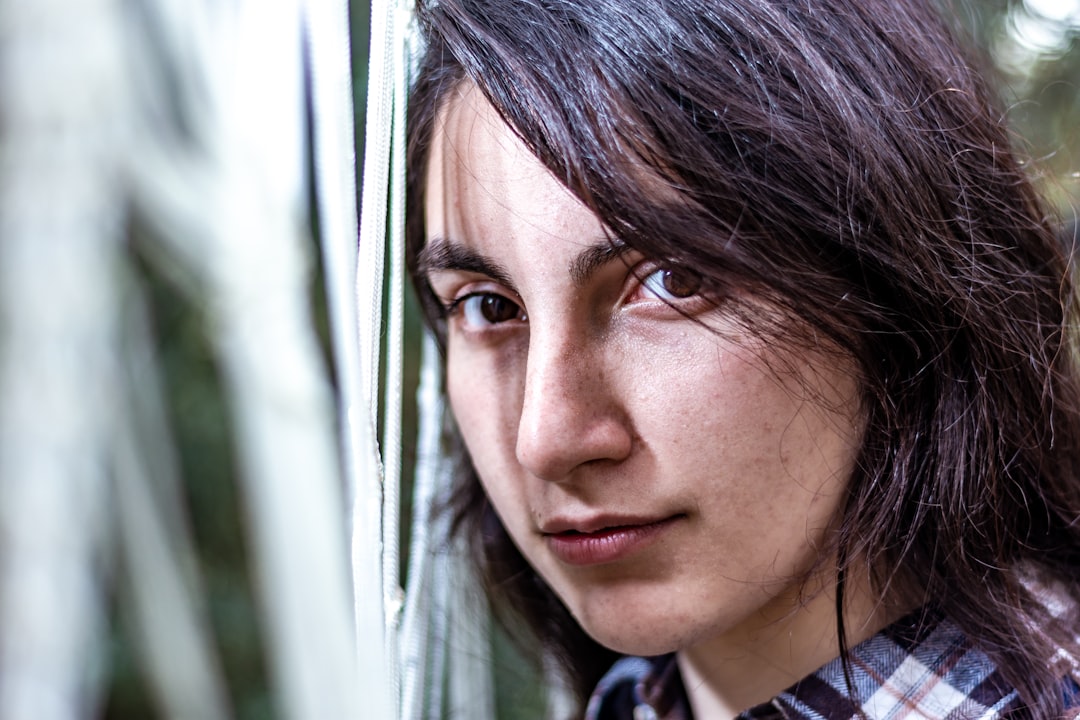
671, 284
481, 309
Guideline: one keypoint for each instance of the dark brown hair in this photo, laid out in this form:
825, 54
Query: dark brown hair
840, 160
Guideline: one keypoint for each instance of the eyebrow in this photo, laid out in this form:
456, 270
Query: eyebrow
443, 254
595, 257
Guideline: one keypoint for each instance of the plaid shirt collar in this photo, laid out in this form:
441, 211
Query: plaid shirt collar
921, 667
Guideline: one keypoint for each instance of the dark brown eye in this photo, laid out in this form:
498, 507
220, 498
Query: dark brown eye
672, 283
489, 309
681, 283
496, 309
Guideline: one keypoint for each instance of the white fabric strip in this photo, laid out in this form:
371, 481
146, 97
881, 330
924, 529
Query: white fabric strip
371, 589
395, 338
162, 578
229, 207
354, 290
326, 23
423, 633
63, 120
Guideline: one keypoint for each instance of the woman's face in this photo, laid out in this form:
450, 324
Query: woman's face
671, 479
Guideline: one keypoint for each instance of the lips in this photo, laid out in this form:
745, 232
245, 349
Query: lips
603, 540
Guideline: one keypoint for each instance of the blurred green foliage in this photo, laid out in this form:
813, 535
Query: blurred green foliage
1033, 49
199, 421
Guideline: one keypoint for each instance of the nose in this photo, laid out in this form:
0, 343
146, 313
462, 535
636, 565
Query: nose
571, 415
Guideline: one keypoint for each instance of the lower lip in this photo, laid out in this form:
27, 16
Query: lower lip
605, 546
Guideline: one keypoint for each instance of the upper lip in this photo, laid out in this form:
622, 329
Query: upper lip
597, 523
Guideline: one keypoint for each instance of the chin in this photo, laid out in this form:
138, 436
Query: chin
633, 628
644, 640
642, 646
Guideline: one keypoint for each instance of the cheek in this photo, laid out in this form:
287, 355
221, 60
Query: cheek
485, 403
800, 439
485, 399
759, 448
474, 406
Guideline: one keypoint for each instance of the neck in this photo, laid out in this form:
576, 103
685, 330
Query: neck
786, 641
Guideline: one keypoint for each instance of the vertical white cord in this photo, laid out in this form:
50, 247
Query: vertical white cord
374, 201
436, 644
385, 127
354, 289
370, 588
326, 23
395, 340
376, 487
446, 628
422, 653
469, 679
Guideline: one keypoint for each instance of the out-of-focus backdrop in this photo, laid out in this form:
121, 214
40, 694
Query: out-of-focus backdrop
1033, 51
1033, 47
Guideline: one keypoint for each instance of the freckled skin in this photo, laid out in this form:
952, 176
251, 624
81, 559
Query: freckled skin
605, 400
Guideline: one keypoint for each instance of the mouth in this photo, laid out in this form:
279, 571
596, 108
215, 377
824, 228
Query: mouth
602, 540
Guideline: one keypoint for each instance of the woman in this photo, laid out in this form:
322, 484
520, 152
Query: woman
759, 346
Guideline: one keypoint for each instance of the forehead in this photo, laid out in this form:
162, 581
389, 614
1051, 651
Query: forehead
477, 160
482, 179
469, 131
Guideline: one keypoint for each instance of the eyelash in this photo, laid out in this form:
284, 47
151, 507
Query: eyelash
460, 305
653, 280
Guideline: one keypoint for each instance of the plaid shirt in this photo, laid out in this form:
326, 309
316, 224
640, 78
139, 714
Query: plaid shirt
920, 668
